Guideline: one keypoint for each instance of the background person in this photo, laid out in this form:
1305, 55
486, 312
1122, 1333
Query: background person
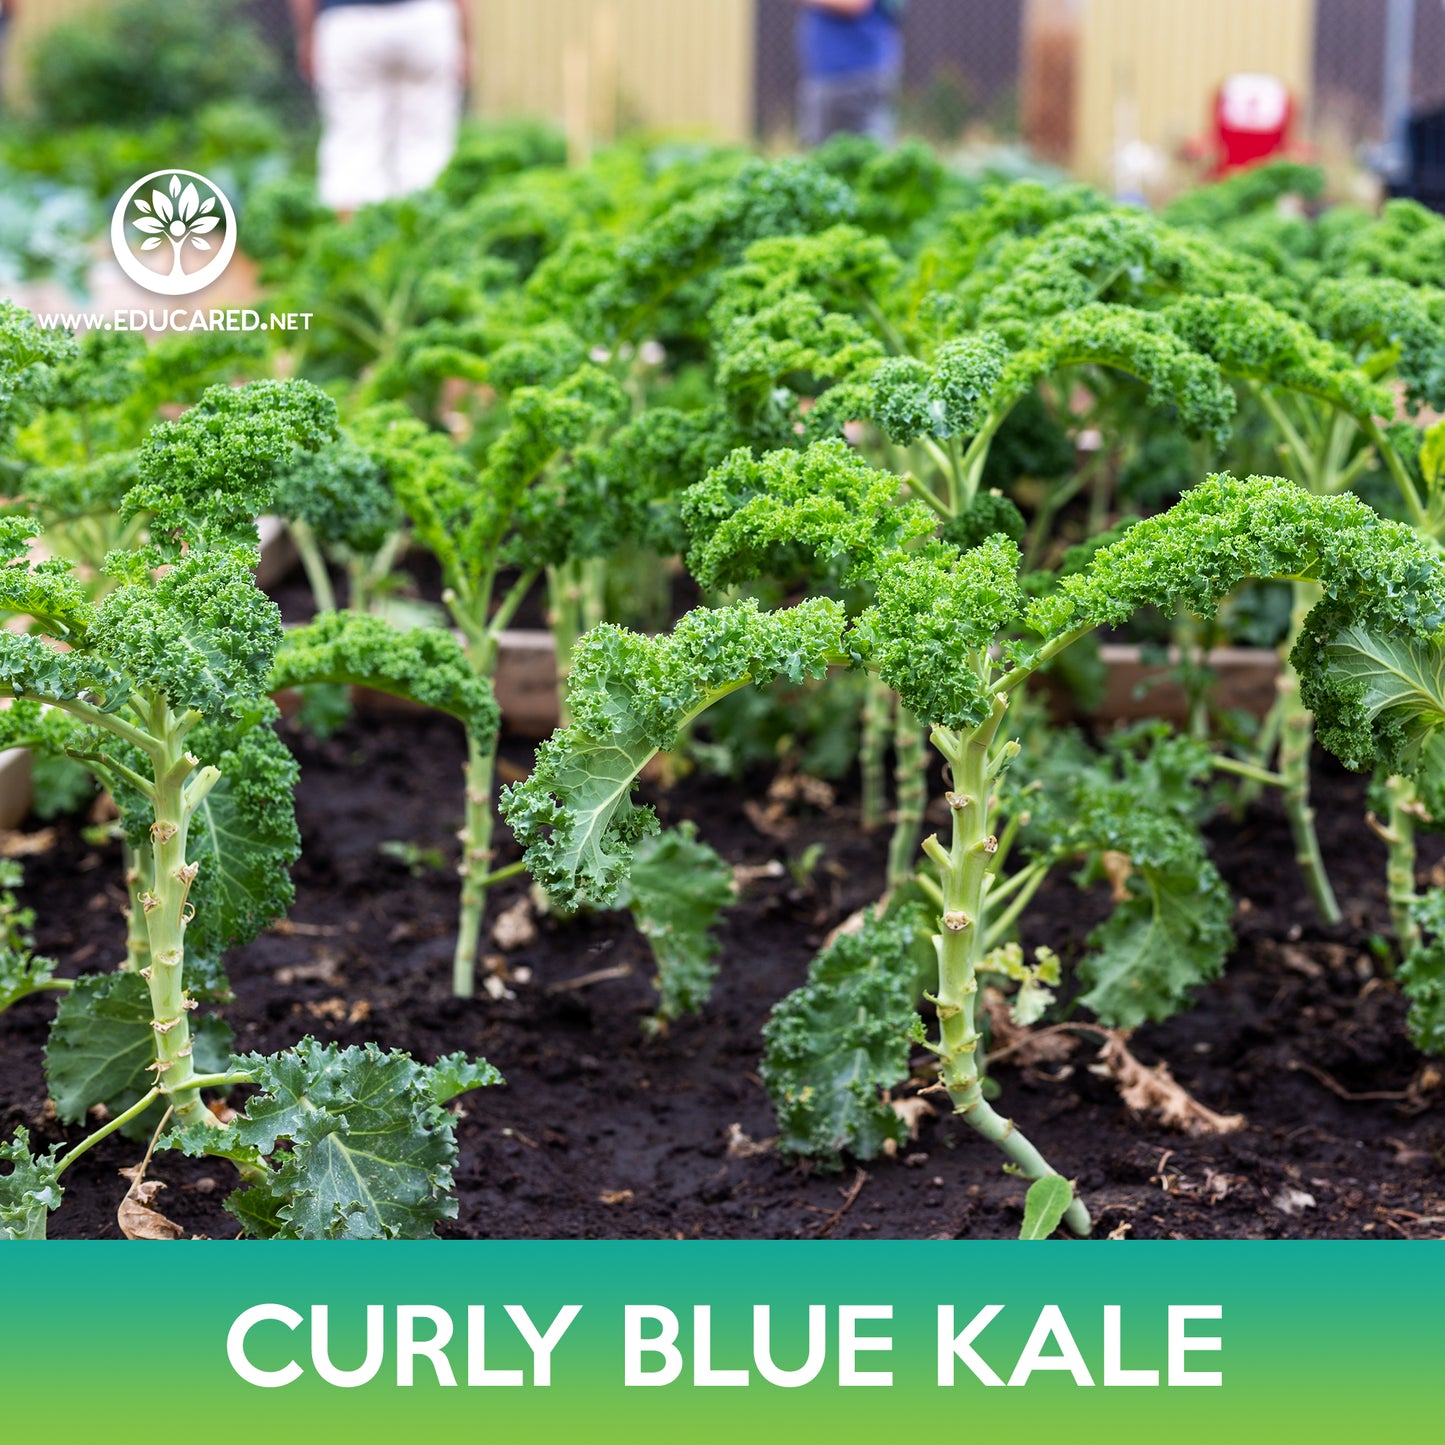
389, 77
851, 58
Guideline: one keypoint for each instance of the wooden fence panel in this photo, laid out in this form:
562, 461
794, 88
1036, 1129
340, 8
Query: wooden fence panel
659, 63
1148, 69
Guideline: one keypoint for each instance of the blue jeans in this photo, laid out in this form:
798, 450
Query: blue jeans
863, 103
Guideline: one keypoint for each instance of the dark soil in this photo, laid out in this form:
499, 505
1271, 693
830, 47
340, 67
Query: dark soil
604, 1132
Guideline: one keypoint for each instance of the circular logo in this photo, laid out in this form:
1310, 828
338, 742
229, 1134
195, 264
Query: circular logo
173, 232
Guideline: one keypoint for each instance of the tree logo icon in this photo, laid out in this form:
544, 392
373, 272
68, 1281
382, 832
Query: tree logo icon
173, 232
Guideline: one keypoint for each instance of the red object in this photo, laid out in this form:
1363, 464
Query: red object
1253, 115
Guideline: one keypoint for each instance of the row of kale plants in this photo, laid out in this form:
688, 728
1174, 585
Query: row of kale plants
915, 440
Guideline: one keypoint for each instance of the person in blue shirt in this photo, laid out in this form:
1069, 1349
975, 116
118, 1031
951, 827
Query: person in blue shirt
851, 60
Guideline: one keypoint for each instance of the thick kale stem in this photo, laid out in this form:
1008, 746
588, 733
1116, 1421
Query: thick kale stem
910, 785
1399, 837
872, 746
963, 869
1296, 741
166, 911
476, 840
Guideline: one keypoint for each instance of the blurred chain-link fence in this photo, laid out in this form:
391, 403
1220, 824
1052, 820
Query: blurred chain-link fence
962, 62
1349, 63
961, 65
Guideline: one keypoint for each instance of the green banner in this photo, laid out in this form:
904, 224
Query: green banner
737, 1342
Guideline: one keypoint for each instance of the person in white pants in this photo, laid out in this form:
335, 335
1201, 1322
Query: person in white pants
389, 78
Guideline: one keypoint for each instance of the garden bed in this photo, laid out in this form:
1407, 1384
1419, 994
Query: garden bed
605, 1132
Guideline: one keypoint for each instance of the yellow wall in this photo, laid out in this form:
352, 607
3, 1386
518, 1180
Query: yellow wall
675, 63
1155, 65
662, 63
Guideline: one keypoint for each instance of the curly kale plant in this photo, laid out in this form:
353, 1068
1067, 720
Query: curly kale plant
474, 521
159, 689
75, 460
954, 633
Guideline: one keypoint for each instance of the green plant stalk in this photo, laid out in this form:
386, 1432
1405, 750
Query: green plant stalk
1260, 777
1053, 501
910, 782
963, 868
999, 926
313, 563
176, 790
576, 603
1315, 469
179, 791
476, 841
1263, 749
119, 1121
638, 588
1399, 837
479, 815
365, 576
1296, 741
1320, 462
872, 746
137, 936
1193, 663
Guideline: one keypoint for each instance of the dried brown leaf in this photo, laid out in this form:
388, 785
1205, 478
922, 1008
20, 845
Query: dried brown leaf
1152, 1089
1024, 1047
789, 788
772, 822
135, 1216
913, 1111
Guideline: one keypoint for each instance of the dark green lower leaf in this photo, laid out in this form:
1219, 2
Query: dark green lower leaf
371, 1148
1422, 975
101, 1044
833, 1045
22, 974
29, 1188
676, 890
